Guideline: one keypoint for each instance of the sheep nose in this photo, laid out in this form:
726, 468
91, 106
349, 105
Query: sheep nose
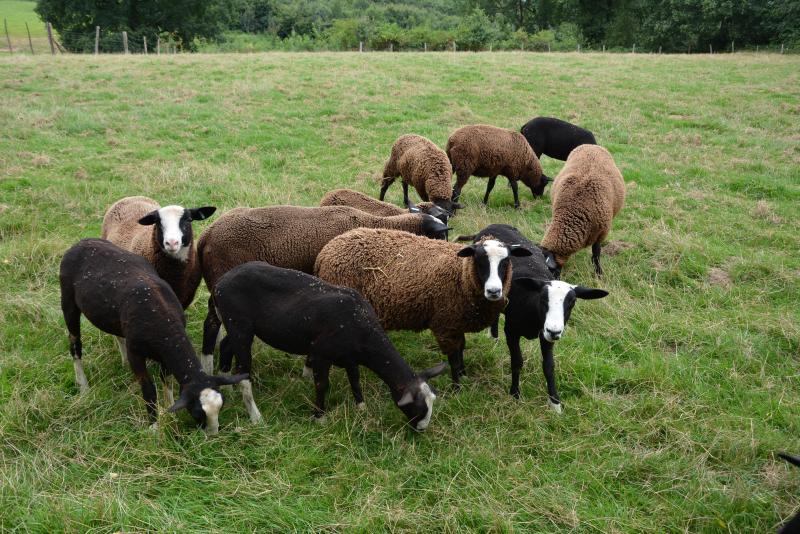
493, 293
554, 334
172, 244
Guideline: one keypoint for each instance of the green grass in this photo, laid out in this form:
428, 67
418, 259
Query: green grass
678, 388
17, 13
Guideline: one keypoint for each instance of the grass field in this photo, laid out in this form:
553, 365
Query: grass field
16, 13
678, 388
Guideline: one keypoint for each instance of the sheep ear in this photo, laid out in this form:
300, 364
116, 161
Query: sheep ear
150, 218
198, 214
794, 460
588, 293
530, 283
549, 260
407, 398
466, 252
180, 404
412, 207
436, 370
227, 380
519, 251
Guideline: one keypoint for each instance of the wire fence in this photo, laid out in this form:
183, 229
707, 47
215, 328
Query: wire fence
122, 42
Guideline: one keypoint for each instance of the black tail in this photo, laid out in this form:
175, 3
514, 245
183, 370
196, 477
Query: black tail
794, 460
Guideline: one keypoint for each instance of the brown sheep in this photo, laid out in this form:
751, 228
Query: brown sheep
288, 237
417, 284
586, 196
423, 165
488, 151
358, 200
162, 235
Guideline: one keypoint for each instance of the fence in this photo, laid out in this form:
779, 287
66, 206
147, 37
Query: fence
112, 42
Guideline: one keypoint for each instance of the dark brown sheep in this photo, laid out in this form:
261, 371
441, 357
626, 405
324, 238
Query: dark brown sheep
488, 151
423, 165
586, 196
358, 200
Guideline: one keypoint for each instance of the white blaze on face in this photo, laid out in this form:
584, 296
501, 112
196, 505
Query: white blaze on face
495, 252
554, 320
211, 402
171, 232
429, 398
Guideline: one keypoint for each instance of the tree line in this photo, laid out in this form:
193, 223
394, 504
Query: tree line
669, 25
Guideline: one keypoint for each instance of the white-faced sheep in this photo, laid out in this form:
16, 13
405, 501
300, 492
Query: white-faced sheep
423, 165
358, 200
586, 196
162, 235
417, 284
488, 151
121, 294
298, 313
538, 306
285, 236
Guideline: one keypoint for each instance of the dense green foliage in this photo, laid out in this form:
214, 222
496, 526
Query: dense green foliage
672, 26
678, 387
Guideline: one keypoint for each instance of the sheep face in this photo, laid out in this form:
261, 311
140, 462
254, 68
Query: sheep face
433, 227
492, 265
203, 400
417, 398
555, 303
173, 228
538, 189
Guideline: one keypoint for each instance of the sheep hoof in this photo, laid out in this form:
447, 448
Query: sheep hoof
361, 406
153, 429
321, 419
256, 418
555, 406
308, 372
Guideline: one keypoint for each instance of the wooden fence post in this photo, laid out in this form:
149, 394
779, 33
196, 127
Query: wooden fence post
659, 49
125, 41
391, 47
158, 45
710, 50
548, 46
50, 38
732, 49
579, 48
454, 46
604, 48
96, 40
10, 50
144, 39
424, 47
30, 42
781, 48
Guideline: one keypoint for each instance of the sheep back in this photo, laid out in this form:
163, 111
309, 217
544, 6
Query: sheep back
587, 194
121, 226
423, 165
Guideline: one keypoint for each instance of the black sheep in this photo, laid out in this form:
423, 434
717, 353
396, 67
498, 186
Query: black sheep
555, 138
300, 314
121, 294
793, 525
538, 305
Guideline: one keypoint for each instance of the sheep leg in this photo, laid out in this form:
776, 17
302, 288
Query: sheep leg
452, 344
72, 317
354, 378
166, 380
239, 343
515, 190
512, 340
596, 259
548, 366
387, 181
139, 368
122, 350
321, 372
211, 328
493, 330
461, 180
405, 193
489, 187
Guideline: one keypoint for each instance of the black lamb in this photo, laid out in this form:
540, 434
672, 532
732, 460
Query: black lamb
555, 138
331, 325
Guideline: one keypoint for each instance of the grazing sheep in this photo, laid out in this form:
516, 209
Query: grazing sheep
793, 525
121, 294
285, 236
425, 166
355, 199
417, 284
538, 306
554, 137
488, 151
163, 236
298, 313
587, 195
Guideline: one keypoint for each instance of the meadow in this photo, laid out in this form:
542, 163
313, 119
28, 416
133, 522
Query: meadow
678, 388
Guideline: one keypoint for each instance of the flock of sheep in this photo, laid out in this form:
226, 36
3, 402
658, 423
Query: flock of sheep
327, 282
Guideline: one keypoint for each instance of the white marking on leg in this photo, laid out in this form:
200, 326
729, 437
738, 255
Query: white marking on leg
80, 376
169, 399
220, 335
170, 221
495, 252
361, 406
247, 396
211, 402
556, 407
153, 428
123, 349
429, 398
207, 362
308, 372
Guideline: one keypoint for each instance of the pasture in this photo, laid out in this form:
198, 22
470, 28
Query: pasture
678, 388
